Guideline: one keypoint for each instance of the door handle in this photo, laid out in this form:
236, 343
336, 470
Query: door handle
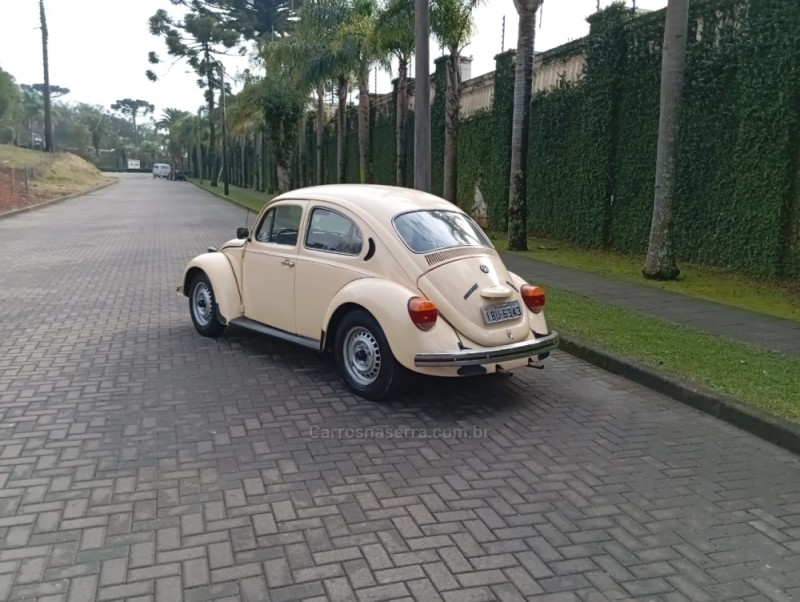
288, 262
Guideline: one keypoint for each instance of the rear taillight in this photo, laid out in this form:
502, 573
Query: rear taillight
533, 296
422, 312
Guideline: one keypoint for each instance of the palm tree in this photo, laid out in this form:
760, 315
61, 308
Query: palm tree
660, 261
310, 58
174, 121
523, 82
452, 24
97, 122
395, 35
359, 37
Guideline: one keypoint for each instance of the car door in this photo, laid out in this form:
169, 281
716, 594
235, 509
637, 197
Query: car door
268, 267
332, 255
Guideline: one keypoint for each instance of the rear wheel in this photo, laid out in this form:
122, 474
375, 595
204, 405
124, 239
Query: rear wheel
203, 307
364, 358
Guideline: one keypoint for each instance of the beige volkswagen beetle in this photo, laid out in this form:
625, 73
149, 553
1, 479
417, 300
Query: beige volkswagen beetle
387, 278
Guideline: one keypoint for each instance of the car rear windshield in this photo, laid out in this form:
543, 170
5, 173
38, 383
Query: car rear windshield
426, 231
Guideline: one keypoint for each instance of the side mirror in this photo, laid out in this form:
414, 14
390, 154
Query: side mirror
242, 233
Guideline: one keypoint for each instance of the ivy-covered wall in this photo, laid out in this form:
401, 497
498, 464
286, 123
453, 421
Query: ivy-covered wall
593, 142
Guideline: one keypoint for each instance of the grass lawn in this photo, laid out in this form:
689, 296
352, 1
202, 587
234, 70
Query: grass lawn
12, 156
755, 376
246, 197
774, 298
49, 176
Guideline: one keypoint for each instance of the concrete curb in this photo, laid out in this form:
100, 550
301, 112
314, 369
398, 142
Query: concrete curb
56, 200
762, 425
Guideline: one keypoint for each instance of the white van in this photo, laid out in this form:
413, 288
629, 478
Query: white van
161, 170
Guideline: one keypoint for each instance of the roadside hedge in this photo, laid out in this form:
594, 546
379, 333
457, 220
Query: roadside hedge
593, 142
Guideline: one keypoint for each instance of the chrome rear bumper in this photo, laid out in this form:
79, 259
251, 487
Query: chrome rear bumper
474, 357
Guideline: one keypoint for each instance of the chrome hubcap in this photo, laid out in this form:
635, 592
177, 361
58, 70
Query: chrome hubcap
362, 356
202, 305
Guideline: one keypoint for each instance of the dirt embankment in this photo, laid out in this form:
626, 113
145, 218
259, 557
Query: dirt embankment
30, 177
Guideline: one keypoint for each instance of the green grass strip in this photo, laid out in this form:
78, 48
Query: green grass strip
770, 297
246, 197
764, 379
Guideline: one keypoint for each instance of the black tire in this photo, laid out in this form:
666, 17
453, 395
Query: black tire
203, 307
378, 373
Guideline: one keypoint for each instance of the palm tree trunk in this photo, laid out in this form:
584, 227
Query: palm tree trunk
523, 82
243, 174
320, 133
301, 151
452, 100
264, 167
422, 97
364, 150
341, 133
402, 115
660, 261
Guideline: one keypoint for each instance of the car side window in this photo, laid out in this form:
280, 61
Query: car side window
280, 225
332, 232
265, 227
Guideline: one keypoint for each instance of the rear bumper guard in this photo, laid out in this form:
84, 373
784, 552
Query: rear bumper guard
474, 357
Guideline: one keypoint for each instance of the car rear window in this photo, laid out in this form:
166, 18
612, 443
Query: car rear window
426, 231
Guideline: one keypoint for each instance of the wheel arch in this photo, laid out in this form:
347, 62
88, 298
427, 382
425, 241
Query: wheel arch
219, 271
387, 302
329, 334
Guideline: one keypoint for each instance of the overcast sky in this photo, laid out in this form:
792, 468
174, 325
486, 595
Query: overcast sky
98, 48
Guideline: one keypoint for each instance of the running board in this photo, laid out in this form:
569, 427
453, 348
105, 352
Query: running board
260, 328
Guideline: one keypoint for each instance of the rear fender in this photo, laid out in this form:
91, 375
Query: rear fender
387, 301
223, 280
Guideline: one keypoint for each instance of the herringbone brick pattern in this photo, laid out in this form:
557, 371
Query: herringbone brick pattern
139, 461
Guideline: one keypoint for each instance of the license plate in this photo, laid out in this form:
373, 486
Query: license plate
501, 312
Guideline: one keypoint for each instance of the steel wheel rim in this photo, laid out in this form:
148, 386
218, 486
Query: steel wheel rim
202, 304
362, 356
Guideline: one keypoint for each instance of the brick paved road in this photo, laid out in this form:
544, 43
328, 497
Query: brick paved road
140, 461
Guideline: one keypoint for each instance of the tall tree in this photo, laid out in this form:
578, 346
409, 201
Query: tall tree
173, 121
520, 131
48, 115
198, 39
9, 94
97, 121
358, 36
132, 108
660, 262
422, 97
31, 109
259, 20
452, 25
396, 36
55, 91
281, 107
312, 58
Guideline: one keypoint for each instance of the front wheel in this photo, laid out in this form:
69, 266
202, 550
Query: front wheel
203, 307
364, 358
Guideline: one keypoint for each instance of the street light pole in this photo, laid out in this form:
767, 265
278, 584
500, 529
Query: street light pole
225, 178
422, 99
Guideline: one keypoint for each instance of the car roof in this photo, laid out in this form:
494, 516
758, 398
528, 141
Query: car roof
382, 202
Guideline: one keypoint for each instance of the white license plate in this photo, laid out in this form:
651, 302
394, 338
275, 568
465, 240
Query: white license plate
501, 312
